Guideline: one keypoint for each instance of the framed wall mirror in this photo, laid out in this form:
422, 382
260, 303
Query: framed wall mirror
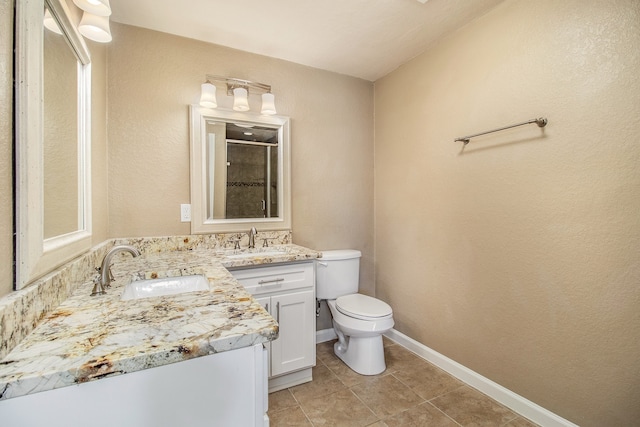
240, 171
53, 211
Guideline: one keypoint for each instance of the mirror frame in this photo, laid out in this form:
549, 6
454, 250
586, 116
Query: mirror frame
36, 256
200, 224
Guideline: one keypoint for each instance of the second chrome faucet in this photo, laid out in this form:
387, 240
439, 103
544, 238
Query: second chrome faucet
252, 237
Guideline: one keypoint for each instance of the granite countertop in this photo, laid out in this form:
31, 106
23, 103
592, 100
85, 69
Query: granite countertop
87, 338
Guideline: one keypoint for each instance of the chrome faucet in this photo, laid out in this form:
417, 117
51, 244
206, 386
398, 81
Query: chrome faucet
103, 280
252, 237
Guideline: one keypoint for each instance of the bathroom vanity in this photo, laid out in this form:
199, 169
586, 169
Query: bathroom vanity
287, 292
196, 358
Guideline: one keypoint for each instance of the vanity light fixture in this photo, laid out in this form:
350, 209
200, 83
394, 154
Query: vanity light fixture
95, 27
94, 7
240, 90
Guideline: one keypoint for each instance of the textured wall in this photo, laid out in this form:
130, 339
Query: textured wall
153, 77
6, 152
99, 171
518, 257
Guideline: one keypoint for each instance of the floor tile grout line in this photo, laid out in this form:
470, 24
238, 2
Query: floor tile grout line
413, 390
390, 416
306, 416
444, 413
299, 405
514, 418
445, 393
365, 405
335, 392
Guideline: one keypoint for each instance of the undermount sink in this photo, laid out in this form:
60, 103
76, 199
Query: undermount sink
256, 253
166, 286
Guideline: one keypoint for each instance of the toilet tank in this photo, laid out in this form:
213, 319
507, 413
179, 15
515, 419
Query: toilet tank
337, 273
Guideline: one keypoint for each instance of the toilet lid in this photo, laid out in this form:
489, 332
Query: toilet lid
363, 307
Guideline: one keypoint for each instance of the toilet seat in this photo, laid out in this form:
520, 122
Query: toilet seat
363, 307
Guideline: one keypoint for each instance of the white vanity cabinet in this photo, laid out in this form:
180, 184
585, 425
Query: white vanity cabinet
287, 292
221, 389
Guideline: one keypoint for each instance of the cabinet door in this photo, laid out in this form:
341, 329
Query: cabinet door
266, 303
295, 348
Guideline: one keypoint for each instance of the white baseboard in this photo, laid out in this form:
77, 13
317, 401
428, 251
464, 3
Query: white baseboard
325, 335
513, 401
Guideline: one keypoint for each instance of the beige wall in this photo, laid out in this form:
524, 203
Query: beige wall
518, 257
6, 152
153, 77
99, 156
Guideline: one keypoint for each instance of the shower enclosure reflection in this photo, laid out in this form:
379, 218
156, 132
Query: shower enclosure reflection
243, 175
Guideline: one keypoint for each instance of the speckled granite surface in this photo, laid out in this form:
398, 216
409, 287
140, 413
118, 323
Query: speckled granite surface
87, 338
21, 311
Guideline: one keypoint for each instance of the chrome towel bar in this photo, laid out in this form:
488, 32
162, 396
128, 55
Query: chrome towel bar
540, 121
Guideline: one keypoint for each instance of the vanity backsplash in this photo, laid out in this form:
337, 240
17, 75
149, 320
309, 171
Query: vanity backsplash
21, 311
148, 245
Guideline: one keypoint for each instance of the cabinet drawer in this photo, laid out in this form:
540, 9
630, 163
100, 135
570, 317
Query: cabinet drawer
276, 278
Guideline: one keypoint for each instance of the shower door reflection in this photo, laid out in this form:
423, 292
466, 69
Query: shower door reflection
252, 179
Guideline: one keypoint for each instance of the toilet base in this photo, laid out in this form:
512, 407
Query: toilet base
363, 355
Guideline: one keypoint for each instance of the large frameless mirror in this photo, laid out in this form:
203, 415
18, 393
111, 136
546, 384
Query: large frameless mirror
239, 171
53, 220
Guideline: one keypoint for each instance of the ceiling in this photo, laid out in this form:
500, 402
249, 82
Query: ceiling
365, 39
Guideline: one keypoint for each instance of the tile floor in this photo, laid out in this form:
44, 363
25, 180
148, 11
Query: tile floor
411, 392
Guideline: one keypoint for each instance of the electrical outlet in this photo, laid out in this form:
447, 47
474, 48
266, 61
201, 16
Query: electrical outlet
185, 212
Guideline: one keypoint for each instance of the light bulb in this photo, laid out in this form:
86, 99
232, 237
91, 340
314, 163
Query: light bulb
268, 104
95, 27
208, 95
95, 7
240, 101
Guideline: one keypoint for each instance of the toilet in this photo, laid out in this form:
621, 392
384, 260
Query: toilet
358, 320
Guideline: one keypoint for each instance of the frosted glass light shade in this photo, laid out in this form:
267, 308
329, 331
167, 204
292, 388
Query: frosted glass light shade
208, 96
95, 7
50, 23
240, 101
268, 104
95, 27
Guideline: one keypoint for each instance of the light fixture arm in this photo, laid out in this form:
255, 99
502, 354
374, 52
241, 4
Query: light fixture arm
233, 83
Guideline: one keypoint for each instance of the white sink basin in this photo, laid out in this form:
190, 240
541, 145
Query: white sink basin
166, 286
259, 253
